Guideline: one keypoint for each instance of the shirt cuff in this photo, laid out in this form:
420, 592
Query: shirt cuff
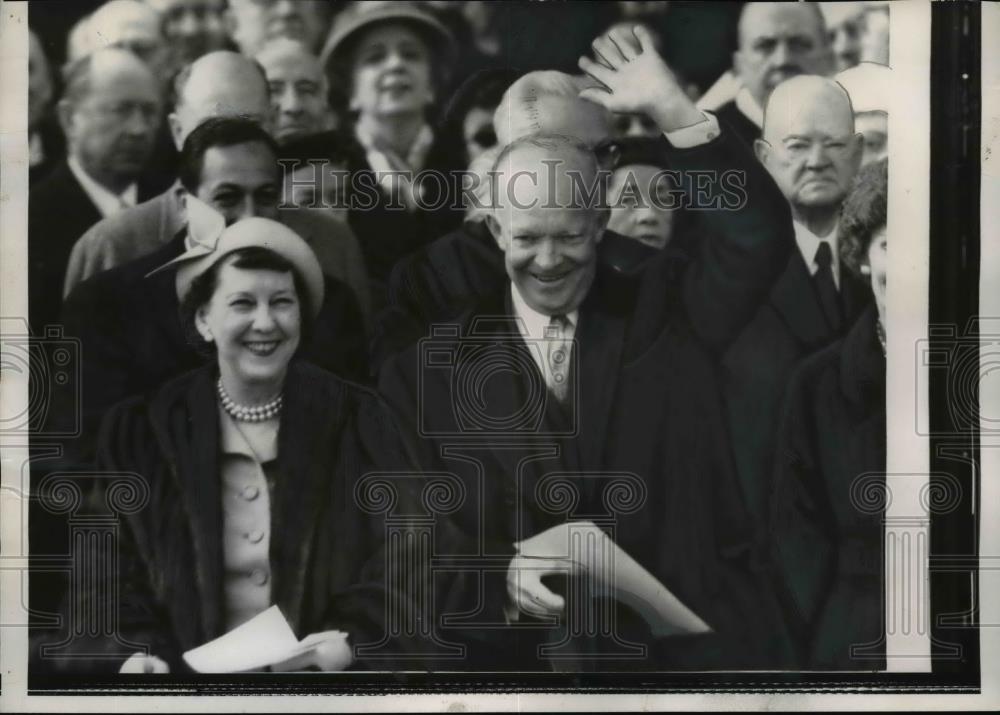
695, 134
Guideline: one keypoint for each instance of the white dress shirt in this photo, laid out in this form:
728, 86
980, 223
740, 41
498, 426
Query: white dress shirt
532, 326
808, 242
107, 202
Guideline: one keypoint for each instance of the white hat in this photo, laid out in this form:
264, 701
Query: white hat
209, 240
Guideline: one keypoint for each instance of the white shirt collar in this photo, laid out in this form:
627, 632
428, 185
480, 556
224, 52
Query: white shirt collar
107, 202
532, 324
808, 242
749, 107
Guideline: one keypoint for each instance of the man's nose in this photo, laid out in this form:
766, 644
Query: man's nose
290, 102
140, 122
817, 156
188, 26
782, 54
547, 256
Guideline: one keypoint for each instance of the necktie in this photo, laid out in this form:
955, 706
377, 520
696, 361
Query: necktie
557, 356
829, 298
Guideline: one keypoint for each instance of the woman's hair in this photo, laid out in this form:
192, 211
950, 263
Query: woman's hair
863, 213
253, 258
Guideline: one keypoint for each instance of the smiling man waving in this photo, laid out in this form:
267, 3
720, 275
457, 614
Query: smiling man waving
575, 373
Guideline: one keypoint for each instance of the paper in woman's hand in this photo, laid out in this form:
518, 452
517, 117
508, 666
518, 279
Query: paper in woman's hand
264, 640
613, 571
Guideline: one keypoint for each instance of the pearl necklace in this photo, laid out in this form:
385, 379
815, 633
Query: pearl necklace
249, 413
880, 330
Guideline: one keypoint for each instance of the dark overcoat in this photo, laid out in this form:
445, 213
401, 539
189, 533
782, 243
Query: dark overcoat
327, 565
59, 212
826, 528
788, 327
647, 411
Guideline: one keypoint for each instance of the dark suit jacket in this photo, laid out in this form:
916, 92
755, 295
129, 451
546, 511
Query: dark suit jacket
325, 551
59, 212
132, 339
736, 120
826, 527
648, 408
789, 326
454, 271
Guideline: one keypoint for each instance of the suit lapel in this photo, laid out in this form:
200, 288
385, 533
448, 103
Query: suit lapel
795, 300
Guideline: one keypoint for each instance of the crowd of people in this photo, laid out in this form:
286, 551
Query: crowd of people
297, 247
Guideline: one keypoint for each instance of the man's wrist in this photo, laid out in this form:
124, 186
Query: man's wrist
676, 115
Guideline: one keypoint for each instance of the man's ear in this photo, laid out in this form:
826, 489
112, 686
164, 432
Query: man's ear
857, 151
737, 64
176, 130
494, 226
762, 150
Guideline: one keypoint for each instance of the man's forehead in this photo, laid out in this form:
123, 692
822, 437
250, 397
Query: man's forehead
779, 20
291, 65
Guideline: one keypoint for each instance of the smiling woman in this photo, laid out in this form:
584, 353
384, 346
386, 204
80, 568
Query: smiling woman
251, 464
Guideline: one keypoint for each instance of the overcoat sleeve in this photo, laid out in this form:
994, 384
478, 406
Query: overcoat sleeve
748, 236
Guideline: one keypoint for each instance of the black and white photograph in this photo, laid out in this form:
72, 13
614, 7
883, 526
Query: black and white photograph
503, 355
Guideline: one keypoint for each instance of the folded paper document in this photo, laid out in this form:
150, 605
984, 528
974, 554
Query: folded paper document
266, 639
590, 553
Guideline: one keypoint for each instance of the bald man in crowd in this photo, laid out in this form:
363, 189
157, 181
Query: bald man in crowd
192, 28
775, 41
130, 25
812, 151
299, 89
109, 112
568, 372
254, 22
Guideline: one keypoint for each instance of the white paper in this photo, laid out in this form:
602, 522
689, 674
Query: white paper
596, 556
263, 640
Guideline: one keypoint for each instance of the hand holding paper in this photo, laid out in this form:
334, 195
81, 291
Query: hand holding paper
327, 651
140, 663
526, 590
268, 640
583, 550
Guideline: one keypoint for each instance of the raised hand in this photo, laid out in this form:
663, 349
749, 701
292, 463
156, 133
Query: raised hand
636, 80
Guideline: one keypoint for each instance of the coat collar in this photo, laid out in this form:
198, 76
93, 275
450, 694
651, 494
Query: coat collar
187, 424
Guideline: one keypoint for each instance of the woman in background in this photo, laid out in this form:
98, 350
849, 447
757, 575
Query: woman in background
390, 59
